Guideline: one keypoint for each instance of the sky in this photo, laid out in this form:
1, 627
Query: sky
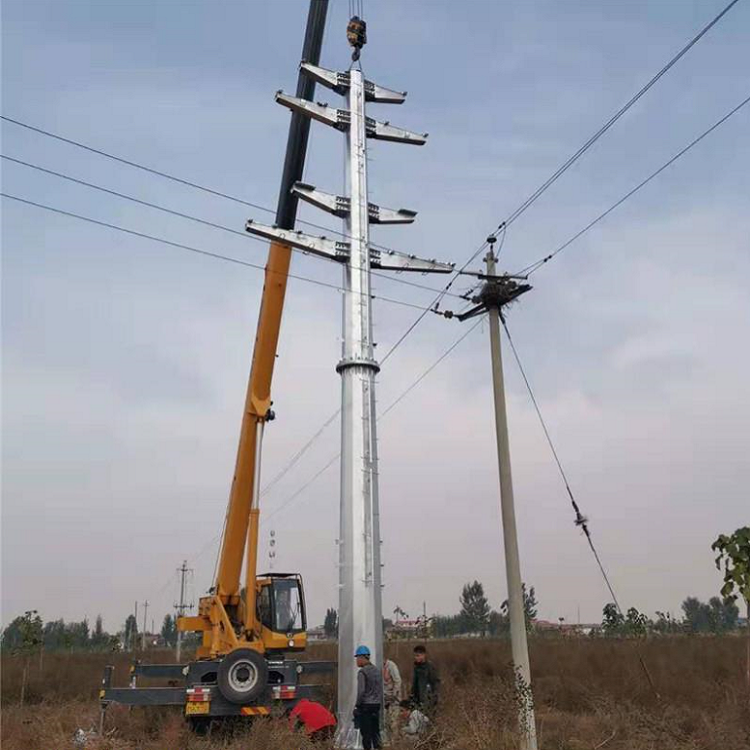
125, 362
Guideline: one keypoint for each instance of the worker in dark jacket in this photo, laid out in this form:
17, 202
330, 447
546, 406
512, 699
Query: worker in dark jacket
425, 682
369, 699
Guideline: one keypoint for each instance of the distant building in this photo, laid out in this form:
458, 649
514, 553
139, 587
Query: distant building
316, 634
564, 628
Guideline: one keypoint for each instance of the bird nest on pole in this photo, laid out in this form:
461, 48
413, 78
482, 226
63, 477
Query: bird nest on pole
497, 292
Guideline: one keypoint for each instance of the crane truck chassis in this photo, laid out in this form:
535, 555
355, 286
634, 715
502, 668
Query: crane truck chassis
194, 687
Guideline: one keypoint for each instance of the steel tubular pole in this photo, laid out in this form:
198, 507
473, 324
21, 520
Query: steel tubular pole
360, 605
519, 645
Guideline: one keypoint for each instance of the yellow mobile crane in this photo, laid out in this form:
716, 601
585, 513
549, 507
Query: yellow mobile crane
241, 664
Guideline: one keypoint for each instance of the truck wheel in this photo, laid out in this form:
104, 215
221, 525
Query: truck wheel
242, 676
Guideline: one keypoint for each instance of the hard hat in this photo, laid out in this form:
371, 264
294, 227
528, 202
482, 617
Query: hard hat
362, 651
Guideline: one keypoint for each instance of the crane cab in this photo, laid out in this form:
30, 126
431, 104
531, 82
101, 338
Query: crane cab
280, 609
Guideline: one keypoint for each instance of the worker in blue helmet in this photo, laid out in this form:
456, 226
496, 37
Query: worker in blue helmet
369, 699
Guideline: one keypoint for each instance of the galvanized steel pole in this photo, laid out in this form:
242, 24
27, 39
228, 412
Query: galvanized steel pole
360, 604
519, 645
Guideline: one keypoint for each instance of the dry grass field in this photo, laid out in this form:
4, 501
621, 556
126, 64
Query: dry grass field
590, 695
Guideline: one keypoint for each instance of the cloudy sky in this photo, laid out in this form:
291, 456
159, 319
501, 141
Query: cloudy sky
125, 361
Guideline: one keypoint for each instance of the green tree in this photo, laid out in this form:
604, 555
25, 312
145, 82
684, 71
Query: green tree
24, 636
475, 610
733, 551
613, 620
169, 630
636, 624
331, 623
77, 635
498, 624
723, 615
12, 635
130, 631
53, 634
697, 615
530, 606
99, 638
447, 626
665, 624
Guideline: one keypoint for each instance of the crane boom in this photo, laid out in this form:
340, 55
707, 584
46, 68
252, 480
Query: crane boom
243, 495
241, 532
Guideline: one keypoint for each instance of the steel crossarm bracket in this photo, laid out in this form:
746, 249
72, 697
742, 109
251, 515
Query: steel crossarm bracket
331, 79
339, 205
390, 260
341, 119
336, 118
382, 95
384, 131
380, 215
322, 246
339, 82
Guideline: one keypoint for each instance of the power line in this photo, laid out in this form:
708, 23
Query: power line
307, 445
391, 406
503, 225
580, 520
218, 256
180, 214
298, 492
198, 251
429, 369
612, 120
187, 183
542, 261
298, 455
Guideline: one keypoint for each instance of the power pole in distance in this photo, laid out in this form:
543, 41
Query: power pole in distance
143, 636
496, 293
182, 606
134, 634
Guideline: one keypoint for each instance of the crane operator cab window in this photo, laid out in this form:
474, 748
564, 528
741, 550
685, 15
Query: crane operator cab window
281, 606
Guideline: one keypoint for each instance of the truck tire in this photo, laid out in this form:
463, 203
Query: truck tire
242, 675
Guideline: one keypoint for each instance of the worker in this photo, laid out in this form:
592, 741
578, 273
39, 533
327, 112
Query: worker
391, 696
369, 698
413, 721
425, 682
318, 722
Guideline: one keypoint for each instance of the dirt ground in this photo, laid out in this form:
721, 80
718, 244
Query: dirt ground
590, 694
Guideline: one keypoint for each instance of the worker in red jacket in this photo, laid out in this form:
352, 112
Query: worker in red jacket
317, 720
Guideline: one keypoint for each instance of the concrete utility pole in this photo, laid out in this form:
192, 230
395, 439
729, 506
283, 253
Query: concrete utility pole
182, 606
143, 635
134, 634
519, 646
496, 293
360, 595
